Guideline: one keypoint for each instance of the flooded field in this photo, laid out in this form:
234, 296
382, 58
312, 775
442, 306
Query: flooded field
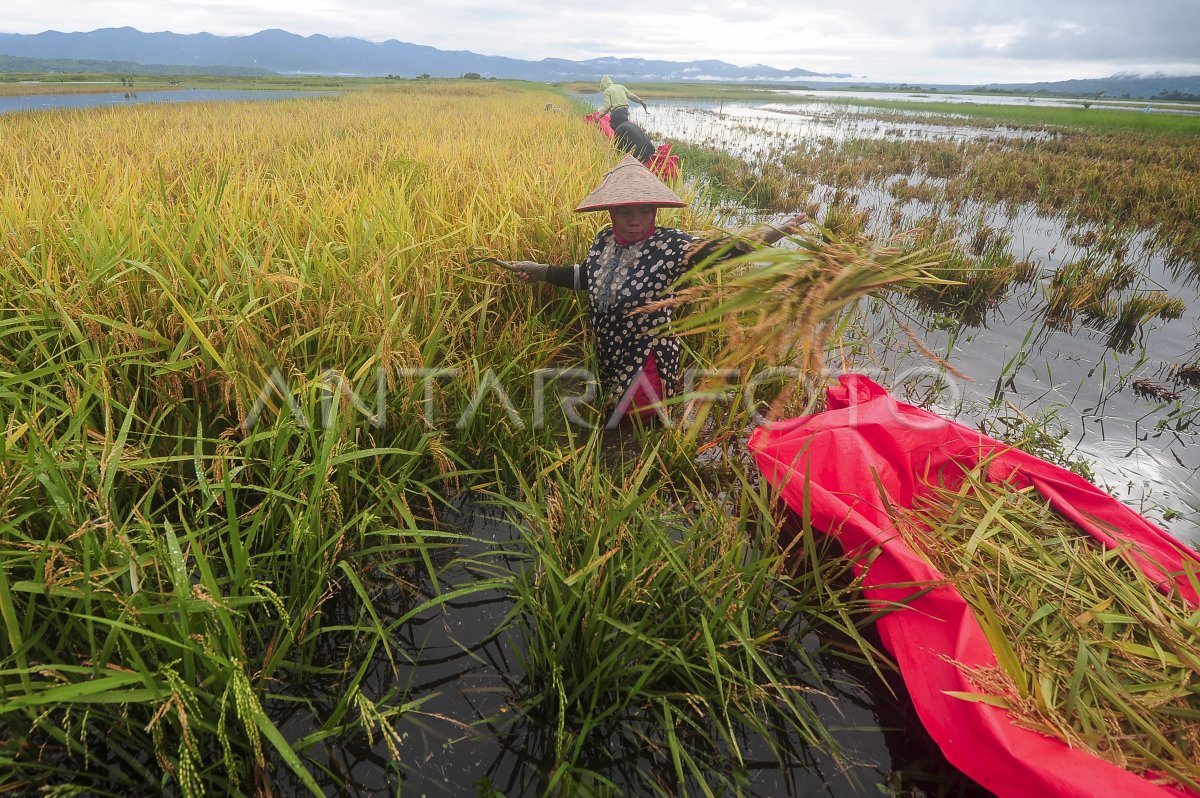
1000, 99
1098, 394
756, 129
468, 734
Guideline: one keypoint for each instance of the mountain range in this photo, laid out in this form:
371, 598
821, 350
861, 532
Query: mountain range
288, 53
280, 52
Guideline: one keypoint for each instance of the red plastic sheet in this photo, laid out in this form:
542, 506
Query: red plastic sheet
867, 435
602, 122
663, 163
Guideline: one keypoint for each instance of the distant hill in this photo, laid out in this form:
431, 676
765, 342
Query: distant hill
289, 53
11, 63
1140, 87
131, 51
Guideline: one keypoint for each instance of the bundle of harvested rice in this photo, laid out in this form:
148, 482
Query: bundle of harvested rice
1088, 649
779, 304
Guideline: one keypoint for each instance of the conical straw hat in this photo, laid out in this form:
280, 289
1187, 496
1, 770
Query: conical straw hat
630, 183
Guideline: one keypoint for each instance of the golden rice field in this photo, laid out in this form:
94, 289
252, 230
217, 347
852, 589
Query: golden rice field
219, 467
191, 251
224, 470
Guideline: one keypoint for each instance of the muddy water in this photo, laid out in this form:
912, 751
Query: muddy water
1141, 449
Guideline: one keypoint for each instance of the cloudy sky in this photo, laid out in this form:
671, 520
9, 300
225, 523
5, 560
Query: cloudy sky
919, 41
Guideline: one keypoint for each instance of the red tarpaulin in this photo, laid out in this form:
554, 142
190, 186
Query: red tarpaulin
602, 122
867, 439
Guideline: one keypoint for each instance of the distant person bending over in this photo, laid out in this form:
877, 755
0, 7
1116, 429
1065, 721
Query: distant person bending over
616, 102
631, 264
632, 139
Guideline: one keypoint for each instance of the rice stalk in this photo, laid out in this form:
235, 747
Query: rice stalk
782, 303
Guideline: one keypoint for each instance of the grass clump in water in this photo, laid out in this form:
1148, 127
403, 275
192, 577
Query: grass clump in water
1089, 650
663, 629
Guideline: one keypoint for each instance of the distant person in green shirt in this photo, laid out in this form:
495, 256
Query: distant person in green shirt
616, 102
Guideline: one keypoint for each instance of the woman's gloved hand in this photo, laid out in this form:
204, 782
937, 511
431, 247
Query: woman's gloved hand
768, 234
527, 270
796, 222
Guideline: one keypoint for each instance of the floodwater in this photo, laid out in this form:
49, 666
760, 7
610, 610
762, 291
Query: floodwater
755, 130
1141, 106
1141, 449
125, 97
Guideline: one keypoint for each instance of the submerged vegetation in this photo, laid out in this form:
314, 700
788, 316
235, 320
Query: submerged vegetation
1043, 222
1118, 180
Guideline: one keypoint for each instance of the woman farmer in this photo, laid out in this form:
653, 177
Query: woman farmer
616, 102
632, 263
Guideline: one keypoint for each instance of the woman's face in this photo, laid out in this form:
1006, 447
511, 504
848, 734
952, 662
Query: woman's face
632, 222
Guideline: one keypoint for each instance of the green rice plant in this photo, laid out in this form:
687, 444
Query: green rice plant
662, 625
1083, 287
1108, 241
976, 276
1043, 435
906, 190
1093, 653
156, 624
1136, 174
1137, 311
759, 183
843, 217
1080, 287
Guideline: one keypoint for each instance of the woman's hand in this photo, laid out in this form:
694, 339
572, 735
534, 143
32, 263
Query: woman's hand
768, 234
527, 270
796, 222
